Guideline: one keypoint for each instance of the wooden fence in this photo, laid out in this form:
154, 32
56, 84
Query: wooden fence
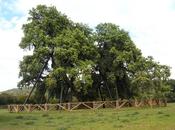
94, 105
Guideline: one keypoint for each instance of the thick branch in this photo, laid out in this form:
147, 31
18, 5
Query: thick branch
37, 79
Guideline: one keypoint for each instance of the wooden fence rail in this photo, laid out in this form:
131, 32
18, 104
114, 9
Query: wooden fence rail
94, 105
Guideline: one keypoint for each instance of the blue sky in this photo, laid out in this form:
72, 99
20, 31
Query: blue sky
7, 10
149, 22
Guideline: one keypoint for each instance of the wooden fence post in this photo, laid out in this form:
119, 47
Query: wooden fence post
29, 108
165, 102
117, 104
93, 105
69, 106
45, 107
9, 108
17, 108
135, 102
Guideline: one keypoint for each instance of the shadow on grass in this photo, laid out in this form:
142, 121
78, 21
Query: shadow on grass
19, 117
29, 123
45, 115
14, 123
160, 112
63, 128
118, 126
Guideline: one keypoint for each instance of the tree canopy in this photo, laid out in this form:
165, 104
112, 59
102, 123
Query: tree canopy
71, 61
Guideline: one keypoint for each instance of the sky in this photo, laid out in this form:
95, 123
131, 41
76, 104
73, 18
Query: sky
150, 23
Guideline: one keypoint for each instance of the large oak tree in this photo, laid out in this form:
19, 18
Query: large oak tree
71, 61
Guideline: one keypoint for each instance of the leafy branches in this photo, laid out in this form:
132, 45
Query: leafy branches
71, 61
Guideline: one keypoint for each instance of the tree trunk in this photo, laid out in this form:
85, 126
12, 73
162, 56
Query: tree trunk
106, 84
116, 91
61, 94
101, 96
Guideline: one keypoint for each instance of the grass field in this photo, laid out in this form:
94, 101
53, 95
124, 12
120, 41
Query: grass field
162, 118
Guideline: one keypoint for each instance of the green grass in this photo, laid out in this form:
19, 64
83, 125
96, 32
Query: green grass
162, 118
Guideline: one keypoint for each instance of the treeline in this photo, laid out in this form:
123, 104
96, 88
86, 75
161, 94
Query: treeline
6, 98
71, 61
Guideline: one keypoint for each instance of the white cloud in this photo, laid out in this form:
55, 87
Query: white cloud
10, 54
150, 23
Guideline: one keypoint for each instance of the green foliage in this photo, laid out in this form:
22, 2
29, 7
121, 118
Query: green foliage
74, 61
6, 99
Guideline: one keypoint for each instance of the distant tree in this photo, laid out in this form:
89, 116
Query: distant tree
6, 99
171, 95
